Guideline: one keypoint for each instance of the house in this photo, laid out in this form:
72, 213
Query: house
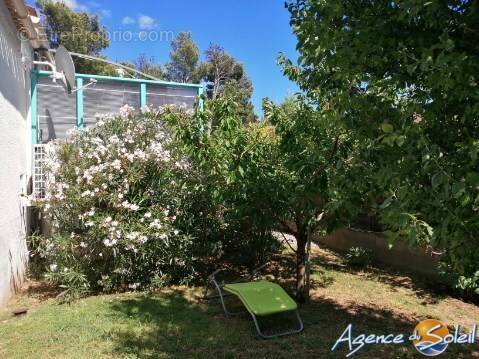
19, 37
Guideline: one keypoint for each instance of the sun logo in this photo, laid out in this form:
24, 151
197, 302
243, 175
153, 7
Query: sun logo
430, 337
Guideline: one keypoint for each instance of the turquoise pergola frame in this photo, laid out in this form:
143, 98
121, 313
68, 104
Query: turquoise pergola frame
36, 74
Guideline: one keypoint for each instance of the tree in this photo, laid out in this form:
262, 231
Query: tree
234, 162
224, 76
240, 91
78, 32
219, 68
314, 169
285, 172
403, 77
184, 58
146, 65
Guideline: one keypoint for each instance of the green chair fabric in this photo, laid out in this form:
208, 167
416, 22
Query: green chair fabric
262, 297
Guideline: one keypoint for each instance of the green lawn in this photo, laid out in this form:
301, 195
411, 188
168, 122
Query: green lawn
176, 323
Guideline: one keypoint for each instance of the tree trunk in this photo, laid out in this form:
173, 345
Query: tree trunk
302, 294
308, 262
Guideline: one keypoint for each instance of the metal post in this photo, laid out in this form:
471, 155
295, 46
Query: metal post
142, 95
200, 101
79, 93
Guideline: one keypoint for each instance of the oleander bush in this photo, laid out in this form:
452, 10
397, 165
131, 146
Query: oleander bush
114, 196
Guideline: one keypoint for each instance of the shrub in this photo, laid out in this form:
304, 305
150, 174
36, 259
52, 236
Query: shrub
358, 257
235, 162
114, 196
467, 286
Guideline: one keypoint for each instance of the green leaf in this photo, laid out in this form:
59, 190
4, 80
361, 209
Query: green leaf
473, 178
241, 171
458, 189
400, 140
386, 203
387, 127
465, 200
389, 140
438, 179
429, 229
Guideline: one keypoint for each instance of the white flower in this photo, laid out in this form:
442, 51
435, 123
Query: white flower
116, 164
134, 207
132, 235
155, 224
114, 139
83, 245
131, 247
140, 154
133, 286
176, 232
72, 132
146, 109
417, 118
148, 215
126, 111
109, 243
89, 224
53, 267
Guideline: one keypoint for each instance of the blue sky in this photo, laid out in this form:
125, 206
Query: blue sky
253, 31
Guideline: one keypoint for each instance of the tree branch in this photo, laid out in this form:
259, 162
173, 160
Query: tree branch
287, 242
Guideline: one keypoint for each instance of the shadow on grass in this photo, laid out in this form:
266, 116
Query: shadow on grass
175, 325
167, 324
429, 290
42, 290
282, 270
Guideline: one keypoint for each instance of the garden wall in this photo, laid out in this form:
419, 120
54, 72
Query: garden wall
400, 256
14, 153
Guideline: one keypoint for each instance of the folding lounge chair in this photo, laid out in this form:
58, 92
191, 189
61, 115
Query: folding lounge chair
261, 298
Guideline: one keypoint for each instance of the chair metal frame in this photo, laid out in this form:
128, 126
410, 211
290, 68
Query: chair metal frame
222, 295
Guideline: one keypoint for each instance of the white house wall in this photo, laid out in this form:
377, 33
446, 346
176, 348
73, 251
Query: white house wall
15, 154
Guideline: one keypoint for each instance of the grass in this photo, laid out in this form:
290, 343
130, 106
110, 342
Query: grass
176, 323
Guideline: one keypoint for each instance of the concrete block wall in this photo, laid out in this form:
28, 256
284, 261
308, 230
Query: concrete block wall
400, 255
